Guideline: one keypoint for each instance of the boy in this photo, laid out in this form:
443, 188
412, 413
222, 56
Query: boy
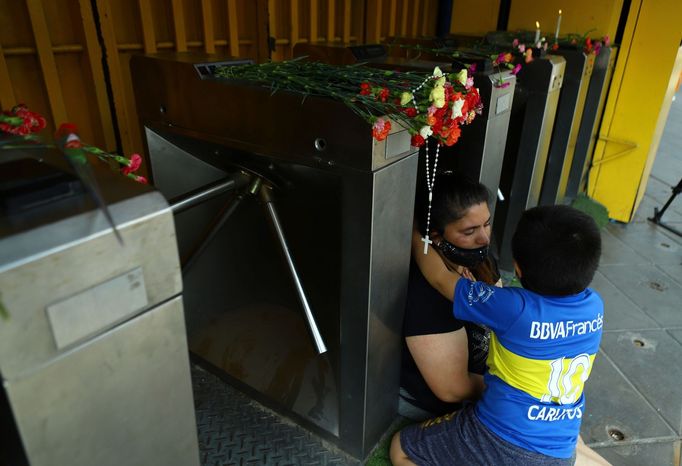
544, 340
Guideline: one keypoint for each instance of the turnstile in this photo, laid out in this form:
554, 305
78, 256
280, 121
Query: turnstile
528, 138
591, 119
93, 356
323, 196
569, 114
480, 149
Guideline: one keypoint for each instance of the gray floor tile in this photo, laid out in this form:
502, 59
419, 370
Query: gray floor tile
646, 207
647, 239
614, 251
619, 311
674, 271
649, 359
674, 237
660, 192
610, 402
676, 334
648, 454
654, 291
667, 168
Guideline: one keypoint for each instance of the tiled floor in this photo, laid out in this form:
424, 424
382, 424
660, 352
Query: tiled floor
635, 391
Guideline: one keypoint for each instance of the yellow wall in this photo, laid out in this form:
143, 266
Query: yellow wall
474, 17
578, 16
639, 92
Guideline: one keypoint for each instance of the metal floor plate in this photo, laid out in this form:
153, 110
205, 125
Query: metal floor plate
233, 429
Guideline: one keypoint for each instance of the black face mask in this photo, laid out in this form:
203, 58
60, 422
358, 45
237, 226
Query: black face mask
467, 257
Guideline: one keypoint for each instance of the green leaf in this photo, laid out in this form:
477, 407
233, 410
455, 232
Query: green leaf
3, 310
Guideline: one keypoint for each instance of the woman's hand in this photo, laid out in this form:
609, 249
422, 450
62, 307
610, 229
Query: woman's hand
466, 273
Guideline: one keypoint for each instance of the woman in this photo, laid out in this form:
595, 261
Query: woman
444, 358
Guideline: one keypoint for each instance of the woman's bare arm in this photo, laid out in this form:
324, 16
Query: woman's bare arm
443, 361
433, 268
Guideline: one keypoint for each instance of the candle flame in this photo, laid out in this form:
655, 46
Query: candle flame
559, 11
537, 24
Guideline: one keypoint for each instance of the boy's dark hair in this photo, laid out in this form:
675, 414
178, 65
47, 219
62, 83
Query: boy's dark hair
557, 249
453, 194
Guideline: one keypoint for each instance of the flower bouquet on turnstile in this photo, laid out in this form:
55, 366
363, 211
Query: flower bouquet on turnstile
425, 104
20, 126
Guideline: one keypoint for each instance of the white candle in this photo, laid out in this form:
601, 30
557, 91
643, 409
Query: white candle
537, 33
558, 25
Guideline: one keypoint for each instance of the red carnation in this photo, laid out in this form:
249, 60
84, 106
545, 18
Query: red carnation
410, 112
135, 162
65, 129
383, 94
365, 89
453, 136
417, 140
380, 129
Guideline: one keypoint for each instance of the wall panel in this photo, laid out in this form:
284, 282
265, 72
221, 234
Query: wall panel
51, 61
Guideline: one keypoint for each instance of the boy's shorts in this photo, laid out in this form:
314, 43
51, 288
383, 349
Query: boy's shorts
461, 439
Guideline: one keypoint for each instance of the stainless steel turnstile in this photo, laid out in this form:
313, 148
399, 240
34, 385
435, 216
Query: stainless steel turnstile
317, 237
530, 128
591, 119
569, 113
93, 356
480, 150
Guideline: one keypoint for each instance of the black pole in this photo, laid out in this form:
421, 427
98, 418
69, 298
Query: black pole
503, 15
444, 16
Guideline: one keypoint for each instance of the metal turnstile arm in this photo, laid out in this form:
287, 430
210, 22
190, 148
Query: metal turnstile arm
202, 195
312, 325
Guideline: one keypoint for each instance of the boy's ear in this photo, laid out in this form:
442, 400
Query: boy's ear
517, 269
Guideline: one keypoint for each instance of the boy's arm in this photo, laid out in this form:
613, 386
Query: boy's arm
433, 268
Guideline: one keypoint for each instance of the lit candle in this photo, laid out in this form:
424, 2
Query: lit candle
537, 34
558, 25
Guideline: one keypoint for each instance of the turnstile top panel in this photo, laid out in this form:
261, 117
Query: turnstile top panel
249, 117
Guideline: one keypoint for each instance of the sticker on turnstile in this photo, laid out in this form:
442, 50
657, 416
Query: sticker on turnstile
97, 308
503, 103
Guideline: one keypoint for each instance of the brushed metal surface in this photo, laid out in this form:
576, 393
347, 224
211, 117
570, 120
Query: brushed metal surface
59, 260
86, 313
212, 110
122, 398
530, 129
93, 357
589, 124
578, 71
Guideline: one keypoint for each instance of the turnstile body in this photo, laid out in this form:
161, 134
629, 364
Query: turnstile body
93, 356
345, 203
530, 128
591, 119
569, 114
480, 149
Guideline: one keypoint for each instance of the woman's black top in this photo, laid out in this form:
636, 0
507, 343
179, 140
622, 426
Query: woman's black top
428, 312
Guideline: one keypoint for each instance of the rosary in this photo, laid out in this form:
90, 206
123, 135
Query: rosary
430, 177
430, 182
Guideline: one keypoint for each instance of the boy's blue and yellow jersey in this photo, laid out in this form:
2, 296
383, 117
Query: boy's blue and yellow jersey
541, 354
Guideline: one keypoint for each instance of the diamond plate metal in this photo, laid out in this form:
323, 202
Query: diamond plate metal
235, 430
